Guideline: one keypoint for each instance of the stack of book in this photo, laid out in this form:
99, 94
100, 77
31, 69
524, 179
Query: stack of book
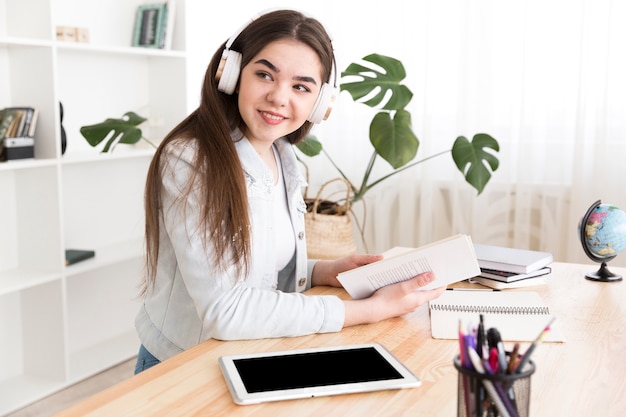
504, 267
17, 132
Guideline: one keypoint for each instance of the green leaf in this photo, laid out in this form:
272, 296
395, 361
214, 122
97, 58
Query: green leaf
310, 146
378, 85
393, 139
124, 130
474, 161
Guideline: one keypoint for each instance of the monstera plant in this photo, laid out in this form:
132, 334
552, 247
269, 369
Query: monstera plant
377, 83
125, 130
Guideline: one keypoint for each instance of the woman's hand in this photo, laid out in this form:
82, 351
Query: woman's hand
391, 301
325, 272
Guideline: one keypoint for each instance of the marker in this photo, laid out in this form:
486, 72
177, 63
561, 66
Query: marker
532, 347
495, 340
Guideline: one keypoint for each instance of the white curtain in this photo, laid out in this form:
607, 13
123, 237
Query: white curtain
546, 78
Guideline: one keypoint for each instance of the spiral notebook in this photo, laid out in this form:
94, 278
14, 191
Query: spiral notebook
520, 316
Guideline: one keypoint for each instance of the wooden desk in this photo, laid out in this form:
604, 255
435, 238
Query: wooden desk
586, 376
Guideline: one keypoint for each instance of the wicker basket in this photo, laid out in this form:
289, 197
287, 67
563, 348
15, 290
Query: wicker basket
329, 233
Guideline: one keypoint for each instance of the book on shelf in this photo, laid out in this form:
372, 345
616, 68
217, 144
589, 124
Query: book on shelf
154, 25
73, 256
519, 315
501, 258
500, 285
506, 276
400, 264
18, 122
168, 25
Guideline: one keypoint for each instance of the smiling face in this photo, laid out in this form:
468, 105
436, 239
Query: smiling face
277, 91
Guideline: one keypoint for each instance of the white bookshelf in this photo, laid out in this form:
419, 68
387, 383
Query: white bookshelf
58, 324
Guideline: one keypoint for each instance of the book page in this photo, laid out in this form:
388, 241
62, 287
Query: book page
451, 260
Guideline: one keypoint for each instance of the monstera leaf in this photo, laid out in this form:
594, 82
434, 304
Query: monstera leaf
470, 158
124, 130
393, 138
377, 81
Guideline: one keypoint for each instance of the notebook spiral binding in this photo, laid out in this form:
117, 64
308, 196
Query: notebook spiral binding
486, 309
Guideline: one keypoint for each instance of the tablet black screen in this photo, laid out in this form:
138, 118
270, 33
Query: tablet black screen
304, 370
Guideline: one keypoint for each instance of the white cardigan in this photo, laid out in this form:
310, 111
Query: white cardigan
192, 301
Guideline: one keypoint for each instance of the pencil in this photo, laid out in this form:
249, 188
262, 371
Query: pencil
513, 359
532, 347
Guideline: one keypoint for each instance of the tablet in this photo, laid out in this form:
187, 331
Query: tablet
274, 376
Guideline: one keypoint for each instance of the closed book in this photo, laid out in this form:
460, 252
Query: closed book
505, 276
502, 258
499, 285
73, 256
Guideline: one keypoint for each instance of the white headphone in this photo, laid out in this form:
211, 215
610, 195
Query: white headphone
229, 68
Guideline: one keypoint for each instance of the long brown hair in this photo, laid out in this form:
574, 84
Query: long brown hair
218, 172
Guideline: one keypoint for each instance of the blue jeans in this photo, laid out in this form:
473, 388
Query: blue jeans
145, 360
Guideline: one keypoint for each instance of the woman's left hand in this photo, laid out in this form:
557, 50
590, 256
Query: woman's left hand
325, 271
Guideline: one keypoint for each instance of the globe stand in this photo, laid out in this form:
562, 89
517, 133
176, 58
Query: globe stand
603, 274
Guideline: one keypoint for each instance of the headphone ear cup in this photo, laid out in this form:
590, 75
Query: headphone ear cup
231, 63
324, 104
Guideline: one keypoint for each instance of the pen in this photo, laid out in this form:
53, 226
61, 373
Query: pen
507, 398
532, 347
480, 338
497, 400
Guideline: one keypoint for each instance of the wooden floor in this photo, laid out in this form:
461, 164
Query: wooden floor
75, 393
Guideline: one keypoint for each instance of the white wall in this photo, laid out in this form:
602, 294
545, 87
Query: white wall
542, 76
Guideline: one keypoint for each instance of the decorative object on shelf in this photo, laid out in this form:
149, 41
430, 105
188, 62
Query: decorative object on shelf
72, 34
377, 83
73, 256
63, 134
602, 233
124, 130
154, 24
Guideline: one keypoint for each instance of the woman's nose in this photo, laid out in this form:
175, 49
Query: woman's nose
279, 94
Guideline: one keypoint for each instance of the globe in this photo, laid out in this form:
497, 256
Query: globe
602, 232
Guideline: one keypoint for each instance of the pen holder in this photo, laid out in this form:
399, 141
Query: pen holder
499, 395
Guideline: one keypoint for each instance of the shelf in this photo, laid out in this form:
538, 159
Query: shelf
107, 256
65, 323
104, 355
20, 279
23, 389
25, 164
100, 330
123, 152
15, 41
119, 50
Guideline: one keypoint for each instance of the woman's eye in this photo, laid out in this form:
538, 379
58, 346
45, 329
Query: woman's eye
302, 88
264, 75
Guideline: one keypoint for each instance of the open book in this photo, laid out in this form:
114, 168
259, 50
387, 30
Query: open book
451, 260
518, 315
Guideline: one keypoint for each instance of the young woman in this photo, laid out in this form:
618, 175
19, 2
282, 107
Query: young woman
226, 251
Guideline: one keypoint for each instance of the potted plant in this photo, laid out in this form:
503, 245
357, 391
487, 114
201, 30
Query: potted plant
392, 137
